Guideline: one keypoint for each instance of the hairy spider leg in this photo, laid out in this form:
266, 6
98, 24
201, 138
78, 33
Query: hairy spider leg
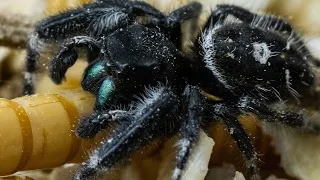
190, 128
107, 2
264, 113
90, 125
142, 8
175, 19
222, 11
148, 120
189, 11
228, 113
67, 56
134, 8
30, 69
273, 23
111, 1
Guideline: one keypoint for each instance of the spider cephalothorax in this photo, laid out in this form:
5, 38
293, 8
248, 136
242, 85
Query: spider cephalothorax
135, 58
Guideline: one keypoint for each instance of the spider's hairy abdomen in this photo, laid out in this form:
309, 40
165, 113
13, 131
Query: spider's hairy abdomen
246, 58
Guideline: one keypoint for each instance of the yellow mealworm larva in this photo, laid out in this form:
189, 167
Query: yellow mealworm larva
37, 131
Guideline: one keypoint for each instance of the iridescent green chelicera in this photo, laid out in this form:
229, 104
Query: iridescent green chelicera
106, 89
96, 70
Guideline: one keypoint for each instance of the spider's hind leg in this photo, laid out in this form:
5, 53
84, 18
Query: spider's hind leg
51, 29
228, 113
221, 12
283, 114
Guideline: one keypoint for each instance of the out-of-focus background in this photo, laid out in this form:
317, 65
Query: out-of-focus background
18, 17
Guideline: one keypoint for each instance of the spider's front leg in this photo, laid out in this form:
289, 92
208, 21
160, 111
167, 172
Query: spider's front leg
190, 128
90, 125
86, 20
228, 112
148, 119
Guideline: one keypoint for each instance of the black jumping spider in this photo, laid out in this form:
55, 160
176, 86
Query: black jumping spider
250, 63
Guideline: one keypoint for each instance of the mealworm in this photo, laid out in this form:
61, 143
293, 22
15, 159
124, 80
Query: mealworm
37, 131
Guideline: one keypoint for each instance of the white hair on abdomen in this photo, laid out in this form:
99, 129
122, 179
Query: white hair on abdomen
209, 53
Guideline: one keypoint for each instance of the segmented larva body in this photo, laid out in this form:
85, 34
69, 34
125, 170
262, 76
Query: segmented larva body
37, 131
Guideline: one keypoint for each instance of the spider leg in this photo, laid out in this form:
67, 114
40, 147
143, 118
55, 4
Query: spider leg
137, 7
90, 125
147, 122
221, 12
289, 118
228, 113
175, 19
190, 11
142, 8
30, 69
111, 1
91, 19
190, 128
67, 56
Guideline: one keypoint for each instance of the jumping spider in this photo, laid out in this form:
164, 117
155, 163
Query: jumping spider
250, 63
